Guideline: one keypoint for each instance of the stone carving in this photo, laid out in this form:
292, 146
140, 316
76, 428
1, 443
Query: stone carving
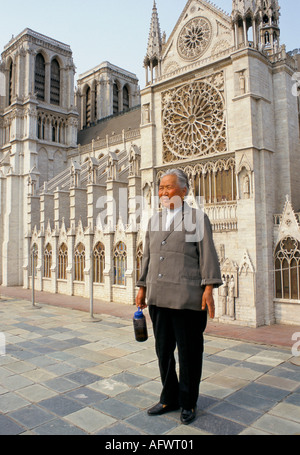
194, 38
228, 292
193, 119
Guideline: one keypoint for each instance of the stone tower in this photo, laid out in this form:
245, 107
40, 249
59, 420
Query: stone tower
38, 126
153, 56
262, 18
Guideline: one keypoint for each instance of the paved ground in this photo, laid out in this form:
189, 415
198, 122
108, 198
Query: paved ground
63, 374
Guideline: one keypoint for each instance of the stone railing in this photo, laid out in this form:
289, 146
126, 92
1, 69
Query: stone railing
223, 216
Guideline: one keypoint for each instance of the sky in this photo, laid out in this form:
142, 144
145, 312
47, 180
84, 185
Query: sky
113, 30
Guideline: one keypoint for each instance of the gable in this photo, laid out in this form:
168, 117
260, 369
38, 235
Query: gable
201, 31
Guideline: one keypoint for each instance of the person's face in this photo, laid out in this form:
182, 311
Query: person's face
170, 193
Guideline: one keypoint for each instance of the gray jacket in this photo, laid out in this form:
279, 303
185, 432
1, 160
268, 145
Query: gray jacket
178, 263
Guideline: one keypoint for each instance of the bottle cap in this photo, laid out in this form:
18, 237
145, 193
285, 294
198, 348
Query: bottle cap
138, 314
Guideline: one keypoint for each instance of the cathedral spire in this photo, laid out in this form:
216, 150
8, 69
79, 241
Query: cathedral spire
153, 56
262, 16
269, 13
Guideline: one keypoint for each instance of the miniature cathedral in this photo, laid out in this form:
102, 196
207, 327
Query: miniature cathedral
79, 168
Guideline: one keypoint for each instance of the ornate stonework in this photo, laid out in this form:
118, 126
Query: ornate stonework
193, 119
194, 38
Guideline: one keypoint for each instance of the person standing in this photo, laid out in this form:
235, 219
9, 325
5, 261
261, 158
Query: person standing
180, 270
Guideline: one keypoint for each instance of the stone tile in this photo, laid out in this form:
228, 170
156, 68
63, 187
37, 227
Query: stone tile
218, 359
58, 427
287, 371
259, 367
104, 370
43, 361
294, 398
86, 396
253, 432
241, 373
20, 367
235, 413
115, 352
213, 390
61, 405
5, 372
31, 416
157, 425
123, 363
277, 426
15, 382
39, 375
83, 377
185, 430
211, 367
150, 371
227, 382
130, 379
271, 393
3, 390
61, 369
80, 363
236, 355
137, 398
90, 420
142, 357
264, 360
120, 429
247, 348
116, 408
8, 427
109, 387
275, 381
36, 393
251, 401
216, 425
61, 384
152, 387
287, 411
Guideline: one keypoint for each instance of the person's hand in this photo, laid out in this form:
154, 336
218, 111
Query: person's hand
208, 301
141, 298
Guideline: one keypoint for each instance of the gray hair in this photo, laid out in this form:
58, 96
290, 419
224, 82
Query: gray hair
182, 178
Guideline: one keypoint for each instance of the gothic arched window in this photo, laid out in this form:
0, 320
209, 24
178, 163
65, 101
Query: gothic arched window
120, 263
139, 261
99, 263
216, 182
88, 106
125, 98
40, 75
62, 262
47, 261
10, 92
55, 83
115, 98
79, 262
287, 269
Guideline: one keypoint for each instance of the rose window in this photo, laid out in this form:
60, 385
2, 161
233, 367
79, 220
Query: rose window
194, 38
193, 121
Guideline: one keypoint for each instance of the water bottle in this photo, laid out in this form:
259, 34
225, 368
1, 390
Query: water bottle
140, 326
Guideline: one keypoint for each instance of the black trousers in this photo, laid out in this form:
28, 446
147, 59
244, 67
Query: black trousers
184, 329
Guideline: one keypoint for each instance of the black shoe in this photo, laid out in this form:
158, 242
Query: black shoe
187, 416
160, 409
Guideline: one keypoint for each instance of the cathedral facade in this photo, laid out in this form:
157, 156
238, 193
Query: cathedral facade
79, 169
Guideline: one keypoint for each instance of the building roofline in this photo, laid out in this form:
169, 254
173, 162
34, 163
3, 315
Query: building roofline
39, 36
